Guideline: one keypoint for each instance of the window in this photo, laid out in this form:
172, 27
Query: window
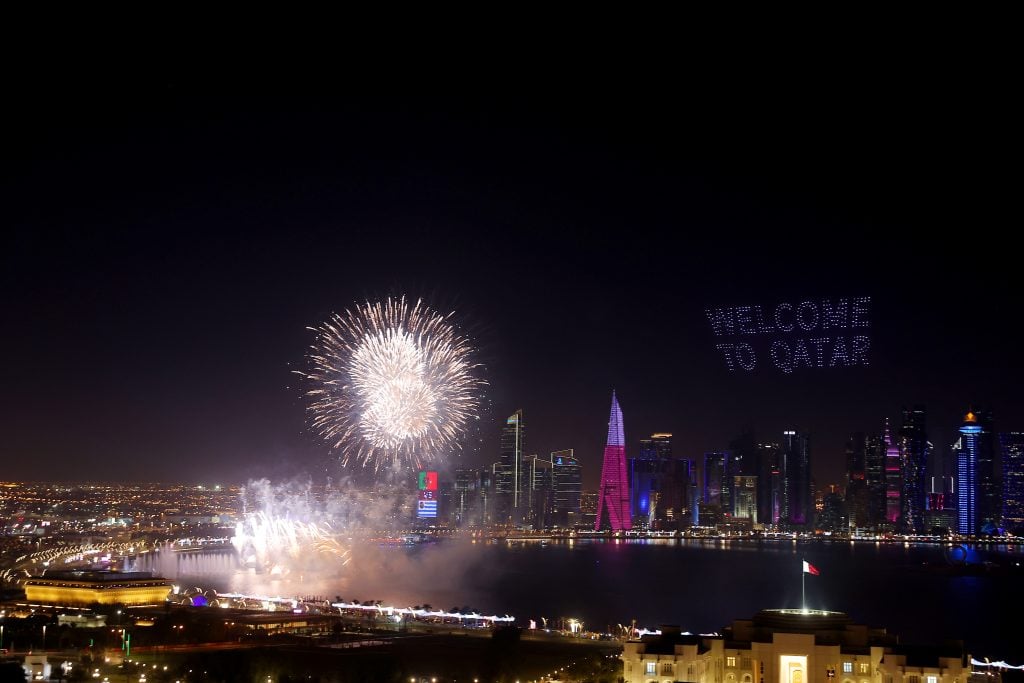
730, 661
745, 662
651, 667
847, 667
666, 668
932, 679
913, 679
864, 668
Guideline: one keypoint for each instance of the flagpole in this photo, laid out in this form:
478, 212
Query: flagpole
803, 592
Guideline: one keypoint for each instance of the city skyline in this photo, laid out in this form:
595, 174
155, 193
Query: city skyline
166, 265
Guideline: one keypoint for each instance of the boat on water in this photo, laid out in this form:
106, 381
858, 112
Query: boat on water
409, 539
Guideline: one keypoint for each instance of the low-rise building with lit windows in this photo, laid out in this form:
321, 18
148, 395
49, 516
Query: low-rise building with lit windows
104, 587
786, 646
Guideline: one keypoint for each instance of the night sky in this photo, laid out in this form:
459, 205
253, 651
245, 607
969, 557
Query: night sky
170, 238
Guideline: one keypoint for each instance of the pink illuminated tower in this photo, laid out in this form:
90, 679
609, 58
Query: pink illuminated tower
613, 497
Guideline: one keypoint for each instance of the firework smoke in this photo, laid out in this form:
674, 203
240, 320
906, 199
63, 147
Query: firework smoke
286, 530
392, 384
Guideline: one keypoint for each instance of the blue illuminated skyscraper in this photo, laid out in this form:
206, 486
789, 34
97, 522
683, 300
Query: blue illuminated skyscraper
967, 476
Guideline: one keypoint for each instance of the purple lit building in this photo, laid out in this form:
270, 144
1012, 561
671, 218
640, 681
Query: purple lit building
613, 510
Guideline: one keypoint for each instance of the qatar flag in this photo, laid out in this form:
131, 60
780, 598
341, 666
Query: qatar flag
810, 568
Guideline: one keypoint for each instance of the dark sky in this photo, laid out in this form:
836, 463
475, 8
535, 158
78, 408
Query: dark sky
171, 236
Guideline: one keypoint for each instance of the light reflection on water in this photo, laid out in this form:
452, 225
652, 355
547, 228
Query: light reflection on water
701, 584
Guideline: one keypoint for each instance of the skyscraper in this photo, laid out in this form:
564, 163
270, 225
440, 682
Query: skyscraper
797, 496
874, 476
858, 496
1012, 447
989, 474
659, 485
914, 451
769, 485
744, 505
716, 465
536, 495
893, 478
613, 496
567, 478
508, 471
967, 476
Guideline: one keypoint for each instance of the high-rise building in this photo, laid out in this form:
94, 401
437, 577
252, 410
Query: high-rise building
536, 496
966, 450
716, 464
662, 443
744, 500
613, 509
893, 478
588, 509
567, 481
940, 506
1012, 447
989, 475
467, 496
858, 496
769, 485
659, 485
797, 493
508, 471
874, 477
914, 453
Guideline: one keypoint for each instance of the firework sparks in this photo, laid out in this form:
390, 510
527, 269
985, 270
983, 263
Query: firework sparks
269, 541
392, 384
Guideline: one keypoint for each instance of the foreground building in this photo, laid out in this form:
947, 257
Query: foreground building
787, 646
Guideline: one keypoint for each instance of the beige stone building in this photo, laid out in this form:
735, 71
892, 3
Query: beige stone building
786, 646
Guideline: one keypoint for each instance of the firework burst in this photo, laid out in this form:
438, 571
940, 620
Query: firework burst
392, 384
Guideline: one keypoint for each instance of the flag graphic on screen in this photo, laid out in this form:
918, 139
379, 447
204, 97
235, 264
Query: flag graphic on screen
426, 506
810, 568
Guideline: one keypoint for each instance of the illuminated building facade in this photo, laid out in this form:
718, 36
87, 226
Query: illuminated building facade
613, 495
858, 496
797, 494
744, 499
874, 477
787, 646
914, 452
893, 478
567, 483
967, 476
989, 489
769, 485
716, 466
508, 479
75, 588
588, 509
536, 498
1012, 447
659, 485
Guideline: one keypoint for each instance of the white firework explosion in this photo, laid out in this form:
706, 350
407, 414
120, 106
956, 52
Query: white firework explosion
392, 384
